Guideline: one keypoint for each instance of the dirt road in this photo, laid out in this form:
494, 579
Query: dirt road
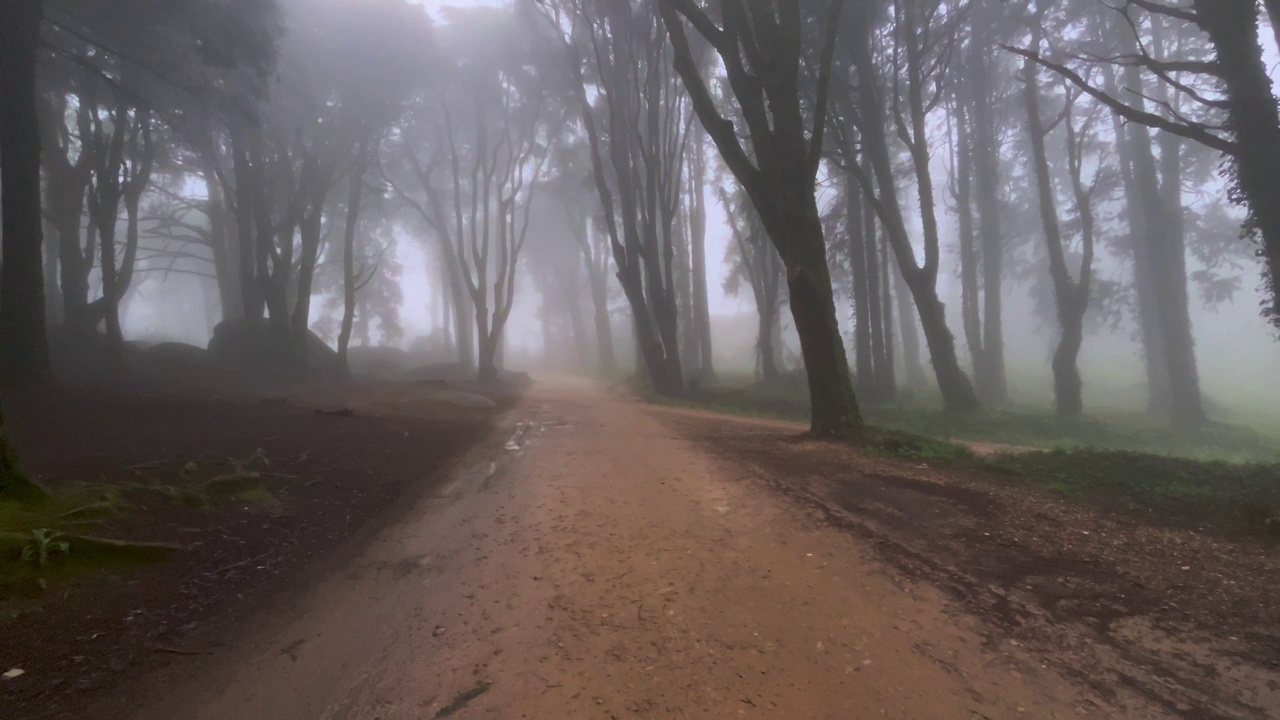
611, 568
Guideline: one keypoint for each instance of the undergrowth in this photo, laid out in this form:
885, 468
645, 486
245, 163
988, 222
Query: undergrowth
1220, 476
67, 533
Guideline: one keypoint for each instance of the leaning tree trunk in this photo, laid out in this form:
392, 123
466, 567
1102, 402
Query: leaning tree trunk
24, 350
813, 311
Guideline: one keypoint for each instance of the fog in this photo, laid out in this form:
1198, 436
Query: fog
507, 187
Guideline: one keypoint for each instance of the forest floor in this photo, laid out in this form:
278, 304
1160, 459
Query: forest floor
614, 559
249, 490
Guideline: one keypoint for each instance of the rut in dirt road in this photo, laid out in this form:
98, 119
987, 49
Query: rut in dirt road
610, 569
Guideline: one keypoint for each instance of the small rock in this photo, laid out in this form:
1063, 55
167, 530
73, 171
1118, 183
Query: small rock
12, 673
438, 631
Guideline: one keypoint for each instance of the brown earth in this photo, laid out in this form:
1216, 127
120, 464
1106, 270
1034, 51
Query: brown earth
330, 473
622, 561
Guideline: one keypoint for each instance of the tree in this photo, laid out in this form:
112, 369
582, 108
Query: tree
24, 350
925, 53
696, 213
761, 45
978, 89
14, 484
1071, 295
493, 158
1250, 135
637, 133
752, 257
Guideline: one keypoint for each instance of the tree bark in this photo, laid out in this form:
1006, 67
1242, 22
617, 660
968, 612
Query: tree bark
864, 364
1071, 298
781, 179
14, 484
1159, 250
888, 375
989, 367
698, 252
1232, 26
908, 331
54, 311
350, 283
957, 392
24, 348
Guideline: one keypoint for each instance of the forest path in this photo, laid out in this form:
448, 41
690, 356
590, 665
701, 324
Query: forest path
612, 569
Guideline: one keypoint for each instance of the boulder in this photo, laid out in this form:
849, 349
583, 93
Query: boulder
236, 344
384, 363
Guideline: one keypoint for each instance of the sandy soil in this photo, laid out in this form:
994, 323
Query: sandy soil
618, 565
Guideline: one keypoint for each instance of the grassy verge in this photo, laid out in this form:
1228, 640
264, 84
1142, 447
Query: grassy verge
1223, 477
1135, 432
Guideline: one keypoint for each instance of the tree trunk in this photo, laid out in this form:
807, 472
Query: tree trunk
970, 292
907, 330
888, 372
355, 197
309, 234
14, 484
66, 204
698, 251
247, 190
578, 328
488, 367
957, 391
606, 360
24, 351
766, 330
989, 372
813, 311
1071, 298
1159, 250
854, 230
1232, 26
223, 248
54, 312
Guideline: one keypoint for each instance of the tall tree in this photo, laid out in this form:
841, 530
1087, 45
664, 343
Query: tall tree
14, 484
978, 88
753, 258
925, 52
1071, 295
1250, 134
761, 45
24, 347
637, 131
696, 211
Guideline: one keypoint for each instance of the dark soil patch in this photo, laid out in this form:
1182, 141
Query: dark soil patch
1070, 581
325, 478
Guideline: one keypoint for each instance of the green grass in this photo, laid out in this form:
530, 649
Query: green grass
53, 538
48, 541
787, 398
1223, 477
